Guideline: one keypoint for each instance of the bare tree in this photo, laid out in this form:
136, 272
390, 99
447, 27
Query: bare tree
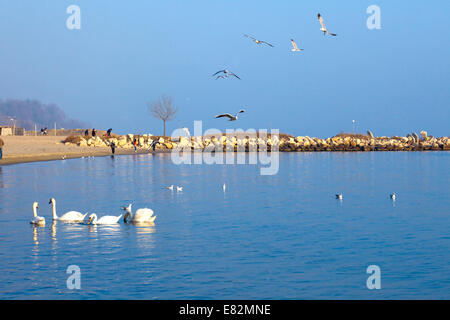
163, 109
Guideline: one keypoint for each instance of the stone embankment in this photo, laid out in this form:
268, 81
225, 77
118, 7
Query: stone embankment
340, 142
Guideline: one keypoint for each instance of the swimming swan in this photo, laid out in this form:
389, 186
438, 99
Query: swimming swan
39, 221
103, 220
141, 215
71, 216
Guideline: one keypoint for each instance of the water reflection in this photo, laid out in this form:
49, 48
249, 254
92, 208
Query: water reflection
144, 224
393, 203
144, 235
35, 234
1, 178
53, 230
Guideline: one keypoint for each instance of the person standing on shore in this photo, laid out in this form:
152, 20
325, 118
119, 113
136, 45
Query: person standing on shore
108, 133
93, 132
86, 133
135, 142
1, 148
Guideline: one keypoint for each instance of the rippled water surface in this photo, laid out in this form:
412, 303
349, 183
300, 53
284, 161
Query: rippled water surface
267, 237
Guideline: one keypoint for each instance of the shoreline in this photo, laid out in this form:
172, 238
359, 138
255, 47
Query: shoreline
27, 158
24, 149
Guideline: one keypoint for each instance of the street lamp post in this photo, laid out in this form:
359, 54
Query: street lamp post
14, 126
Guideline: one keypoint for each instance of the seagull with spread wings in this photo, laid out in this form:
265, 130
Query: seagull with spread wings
258, 41
226, 74
324, 29
294, 46
229, 116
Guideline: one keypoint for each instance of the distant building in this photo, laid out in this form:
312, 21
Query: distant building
9, 131
6, 131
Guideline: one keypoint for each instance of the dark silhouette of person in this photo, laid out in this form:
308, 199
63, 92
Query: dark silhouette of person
108, 133
113, 147
1, 148
154, 144
93, 132
86, 133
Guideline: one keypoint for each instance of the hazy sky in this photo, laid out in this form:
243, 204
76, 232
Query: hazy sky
391, 81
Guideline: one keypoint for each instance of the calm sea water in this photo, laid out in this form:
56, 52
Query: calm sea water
267, 237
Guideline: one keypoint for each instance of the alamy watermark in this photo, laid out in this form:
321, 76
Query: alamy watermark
74, 280
235, 147
73, 22
374, 20
374, 280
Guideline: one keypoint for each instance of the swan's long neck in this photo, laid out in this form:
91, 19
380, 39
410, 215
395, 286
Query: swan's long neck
54, 210
34, 211
129, 214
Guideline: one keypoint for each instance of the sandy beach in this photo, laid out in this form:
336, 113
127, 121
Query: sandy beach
20, 149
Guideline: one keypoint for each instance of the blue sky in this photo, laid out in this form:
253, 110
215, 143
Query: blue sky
391, 81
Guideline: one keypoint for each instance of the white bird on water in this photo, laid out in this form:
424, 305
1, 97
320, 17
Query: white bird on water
170, 187
179, 188
37, 220
142, 215
224, 187
339, 196
229, 116
393, 196
71, 216
323, 28
294, 46
93, 219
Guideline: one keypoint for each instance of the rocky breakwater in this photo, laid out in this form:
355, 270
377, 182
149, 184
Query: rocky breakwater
284, 143
124, 141
359, 142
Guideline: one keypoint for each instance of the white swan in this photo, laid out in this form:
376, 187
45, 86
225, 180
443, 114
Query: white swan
179, 188
170, 187
71, 216
37, 220
141, 215
103, 220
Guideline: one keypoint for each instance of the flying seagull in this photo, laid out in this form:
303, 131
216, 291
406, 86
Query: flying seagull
258, 41
324, 29
232, 118
226, 74
294, 45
